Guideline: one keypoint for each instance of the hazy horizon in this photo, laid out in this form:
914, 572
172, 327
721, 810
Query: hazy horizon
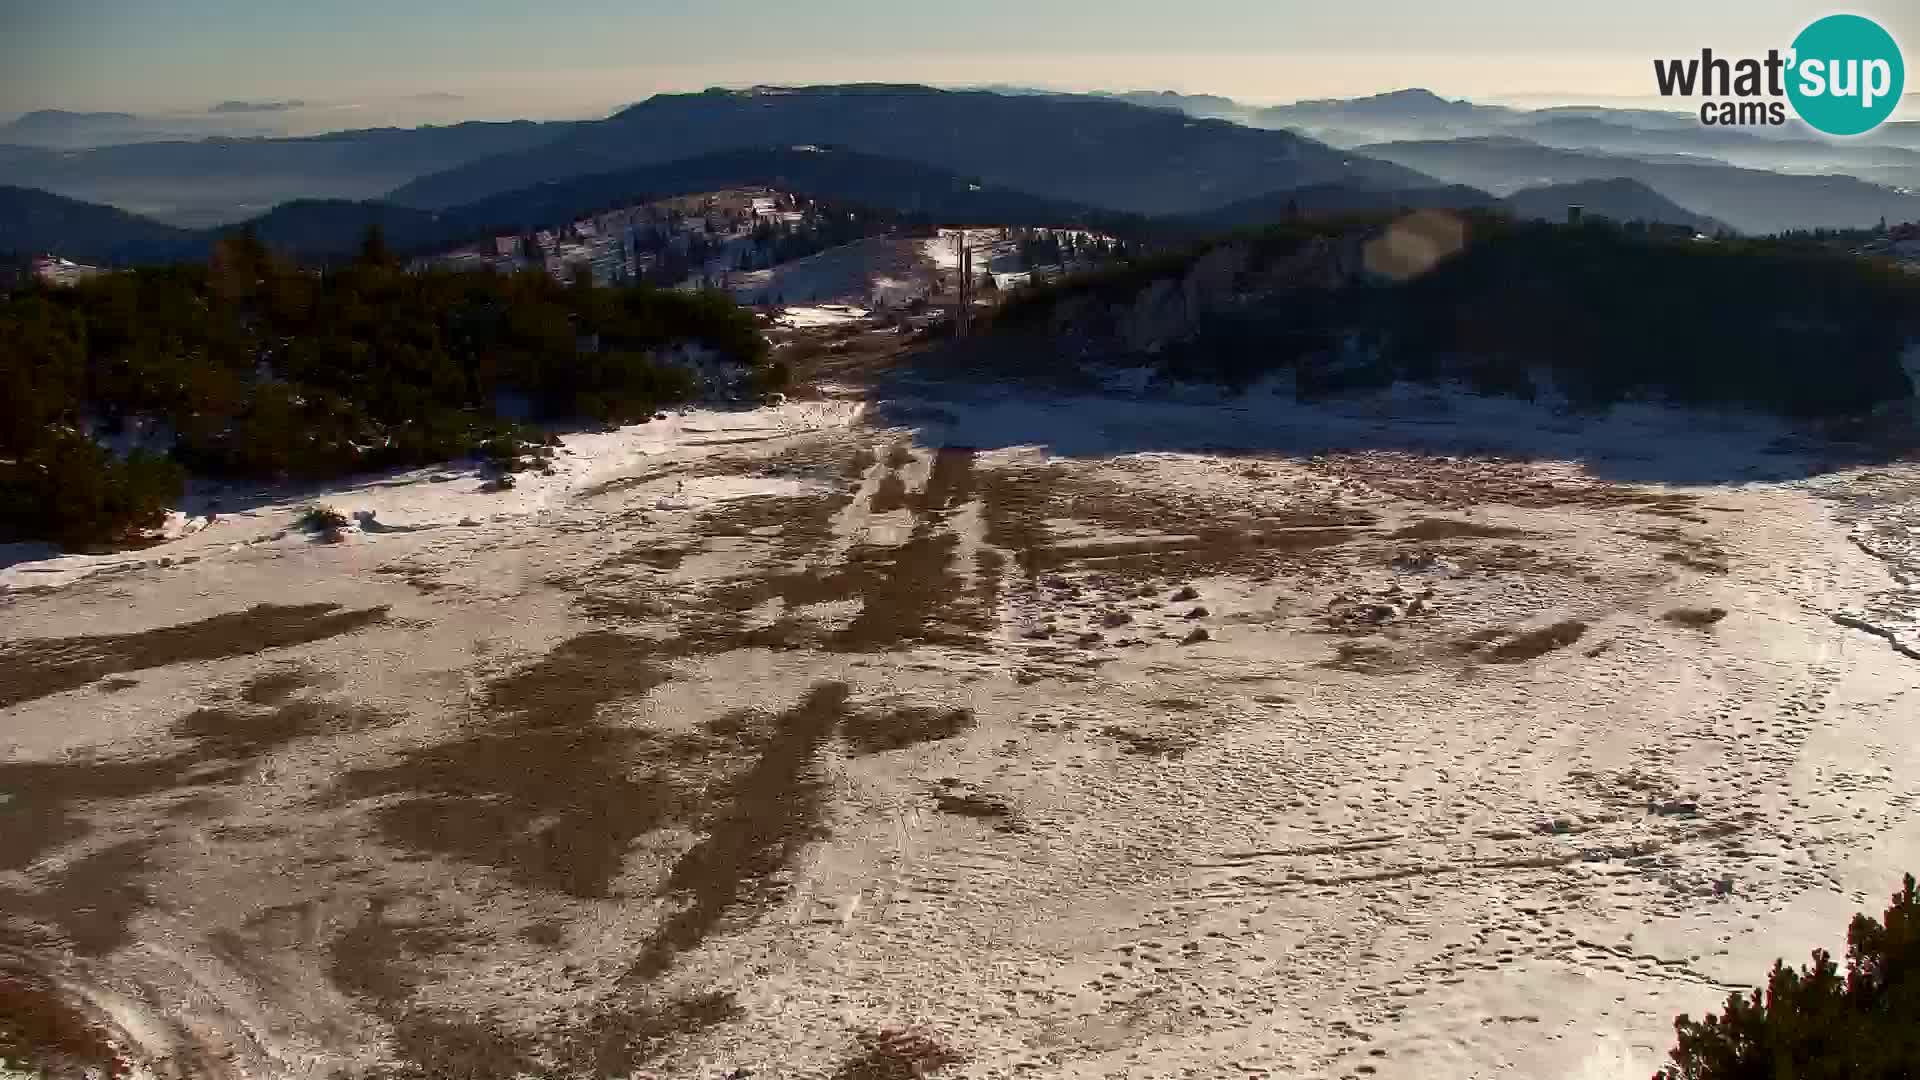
358, 63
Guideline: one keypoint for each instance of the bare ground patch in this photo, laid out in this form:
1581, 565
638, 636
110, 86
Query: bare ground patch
891, 495
52, 1033
1211, 539
542, 791
874, 731
51, 802
757, 825
1366, 658
1161, 744
377, 960
1462, 482
274, 687
1450, 529
44, 666
1537, 643
1696, 618
896, 1054
980, 806
86, 906
910, 594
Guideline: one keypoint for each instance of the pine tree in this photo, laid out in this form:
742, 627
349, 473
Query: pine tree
373, 247
1818, 1023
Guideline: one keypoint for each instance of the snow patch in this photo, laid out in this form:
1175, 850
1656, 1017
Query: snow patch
449, 495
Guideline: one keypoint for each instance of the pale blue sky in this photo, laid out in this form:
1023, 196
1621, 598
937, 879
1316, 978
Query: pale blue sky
523, 57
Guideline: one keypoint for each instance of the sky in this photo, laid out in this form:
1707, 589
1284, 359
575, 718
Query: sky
512, 58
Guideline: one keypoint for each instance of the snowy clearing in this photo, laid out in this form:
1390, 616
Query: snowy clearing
1115, 736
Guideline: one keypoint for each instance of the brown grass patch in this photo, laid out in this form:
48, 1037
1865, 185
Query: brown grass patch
543, 792
1464, 482
377, 961
895, 1054
973, 804
1365, 657
274, 687
617, 1042
374, 962
1537, 643
890, 496
51, 801
89, 903
658, 558
547, 933
1449, 529
51, 1033
1691, 552
1696, 618
244, 735
756, 826
1197, 538
874, 731
1480, 639
1147, 743
1696, 562
44, 810
40, 667
909, 595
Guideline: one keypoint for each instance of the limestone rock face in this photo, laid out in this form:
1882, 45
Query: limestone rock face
1171, 309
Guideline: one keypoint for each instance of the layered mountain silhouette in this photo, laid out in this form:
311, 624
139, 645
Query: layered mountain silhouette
842, 175
60, 129
32, 221
1041, 154
1105, 153
1749, 200
1617, 199
209, 181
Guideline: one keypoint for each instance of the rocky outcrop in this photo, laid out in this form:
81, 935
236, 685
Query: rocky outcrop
1322, 263
1171, 309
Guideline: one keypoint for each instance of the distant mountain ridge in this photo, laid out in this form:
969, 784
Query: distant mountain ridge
1617, 199
1749, 200
821, 171
62, 130
1162, 153
1104, 153
204, 181
34, 221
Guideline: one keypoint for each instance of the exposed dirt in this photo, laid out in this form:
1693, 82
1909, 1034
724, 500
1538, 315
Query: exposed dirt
87, 904
896, 1055
1449, 529
1696, 618
44, 1029
375, 961
1537, 643
539, 789
873, 731
47, 666
274, 687
973, 804
755, 828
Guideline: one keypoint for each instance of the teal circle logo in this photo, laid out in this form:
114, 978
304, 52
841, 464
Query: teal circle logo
1847, 75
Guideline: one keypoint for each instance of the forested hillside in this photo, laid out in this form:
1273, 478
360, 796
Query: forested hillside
250, 368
